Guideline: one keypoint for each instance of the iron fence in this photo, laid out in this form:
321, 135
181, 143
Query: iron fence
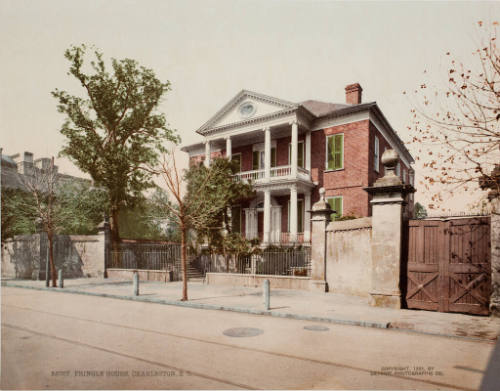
147, 256
280, 263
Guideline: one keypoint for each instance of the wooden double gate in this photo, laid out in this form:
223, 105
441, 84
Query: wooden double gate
448, 266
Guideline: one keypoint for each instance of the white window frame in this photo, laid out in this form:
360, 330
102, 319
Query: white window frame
376, 155
326, 152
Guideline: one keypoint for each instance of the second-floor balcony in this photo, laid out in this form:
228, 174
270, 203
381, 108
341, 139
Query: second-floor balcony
275, 173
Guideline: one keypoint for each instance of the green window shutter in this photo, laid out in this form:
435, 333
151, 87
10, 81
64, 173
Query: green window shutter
329, 152
255, 160
300, 157
338, 151
336, 205
273, 157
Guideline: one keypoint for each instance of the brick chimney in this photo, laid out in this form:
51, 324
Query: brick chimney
353, 94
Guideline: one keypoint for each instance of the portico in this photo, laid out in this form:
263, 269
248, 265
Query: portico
270, 179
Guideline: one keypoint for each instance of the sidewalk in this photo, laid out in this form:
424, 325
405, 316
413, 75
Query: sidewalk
321, 307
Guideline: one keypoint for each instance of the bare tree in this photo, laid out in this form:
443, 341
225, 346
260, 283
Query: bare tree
41, 183
458, 126
188, 212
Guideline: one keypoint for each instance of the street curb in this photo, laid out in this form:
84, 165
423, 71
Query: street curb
345, 322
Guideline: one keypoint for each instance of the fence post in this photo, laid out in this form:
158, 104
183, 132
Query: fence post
136, 283
495, 257
320, 218
60, 281
267, 294
388, 202
107, 245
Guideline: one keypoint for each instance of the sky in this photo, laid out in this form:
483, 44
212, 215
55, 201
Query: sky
210, 50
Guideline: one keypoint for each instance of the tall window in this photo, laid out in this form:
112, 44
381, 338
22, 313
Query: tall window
336, 203
258, 159
300, 154
398, 169
335, 152
376, 155
405, 176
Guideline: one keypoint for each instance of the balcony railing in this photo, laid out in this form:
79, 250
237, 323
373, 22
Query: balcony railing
281, 171
276, 172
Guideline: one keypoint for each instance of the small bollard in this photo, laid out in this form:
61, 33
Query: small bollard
60, 281
136, 284
267, 294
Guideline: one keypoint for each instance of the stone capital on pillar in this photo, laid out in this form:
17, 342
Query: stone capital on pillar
320, 217
388, 200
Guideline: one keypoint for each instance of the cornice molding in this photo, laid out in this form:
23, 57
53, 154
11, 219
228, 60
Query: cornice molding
249, 121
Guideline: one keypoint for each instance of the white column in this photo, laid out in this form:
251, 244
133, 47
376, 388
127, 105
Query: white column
229, 151
295, 147
267, 153
293, 213
308, 151
207, 153
307, 216
267, 216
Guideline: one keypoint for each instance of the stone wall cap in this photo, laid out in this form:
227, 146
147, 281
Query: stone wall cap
347, 225
405, 189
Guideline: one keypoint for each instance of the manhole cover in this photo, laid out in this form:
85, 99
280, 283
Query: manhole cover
242, 332
316, 328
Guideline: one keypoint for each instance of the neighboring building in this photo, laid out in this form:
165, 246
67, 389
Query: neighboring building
291, 150
15, 167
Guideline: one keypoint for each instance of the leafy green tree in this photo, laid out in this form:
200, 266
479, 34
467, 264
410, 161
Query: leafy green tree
147, 220
54, 206
420, 211
17, 219
80, 208
115, 132
223, 191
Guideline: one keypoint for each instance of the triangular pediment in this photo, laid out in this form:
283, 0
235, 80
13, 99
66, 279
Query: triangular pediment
244, 106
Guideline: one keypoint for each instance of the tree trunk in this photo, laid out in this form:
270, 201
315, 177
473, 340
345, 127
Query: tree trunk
184, 262
114, 228
53, 272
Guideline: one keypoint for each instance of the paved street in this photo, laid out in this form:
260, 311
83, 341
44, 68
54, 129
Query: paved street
64, 341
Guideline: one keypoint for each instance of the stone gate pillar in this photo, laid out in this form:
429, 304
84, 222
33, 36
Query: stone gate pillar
495, 258
388, 202
320, 217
